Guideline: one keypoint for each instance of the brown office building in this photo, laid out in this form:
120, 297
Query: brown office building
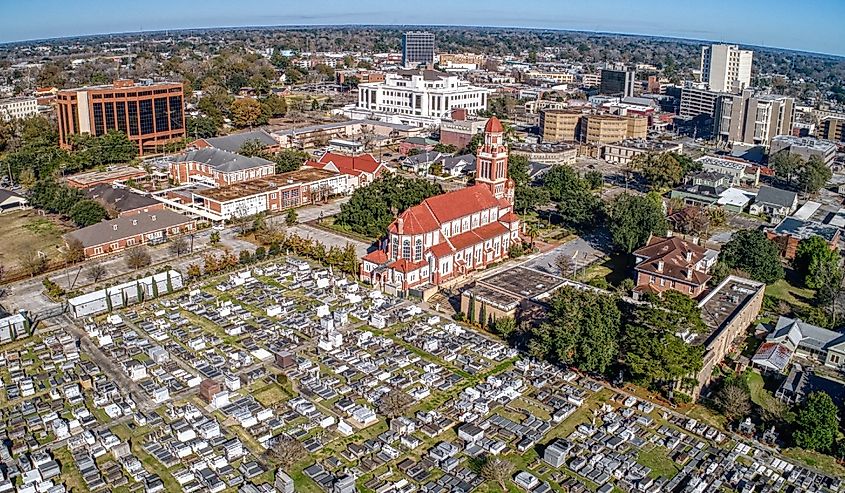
151, 114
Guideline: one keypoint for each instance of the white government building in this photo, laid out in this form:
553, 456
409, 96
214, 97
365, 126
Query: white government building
417, 97
21, 107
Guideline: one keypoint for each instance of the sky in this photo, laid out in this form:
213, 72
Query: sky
808, 25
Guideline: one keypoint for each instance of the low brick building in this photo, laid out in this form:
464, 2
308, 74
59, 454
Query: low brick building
128, 231
672, 263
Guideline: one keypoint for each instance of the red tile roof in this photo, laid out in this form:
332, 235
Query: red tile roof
509, 218
441, 250
479, 235
377, 257
460, 203
405, 265
415, 220
440, 209
351, 165
494, 125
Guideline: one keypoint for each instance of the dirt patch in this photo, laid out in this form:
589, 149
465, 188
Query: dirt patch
22, 232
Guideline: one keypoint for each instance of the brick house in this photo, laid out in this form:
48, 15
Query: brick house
673, 263
127, 231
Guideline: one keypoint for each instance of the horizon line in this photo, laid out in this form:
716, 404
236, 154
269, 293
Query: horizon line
439, 26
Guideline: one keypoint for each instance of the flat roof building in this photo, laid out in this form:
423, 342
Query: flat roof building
20, 107
726, 68
804, 147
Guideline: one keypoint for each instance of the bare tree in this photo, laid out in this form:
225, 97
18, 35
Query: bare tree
2, 272
287, 451
733, 401
138, 258
33, 263
497, 470
179, 245
96, 272
75, 251
394, 403
567, 265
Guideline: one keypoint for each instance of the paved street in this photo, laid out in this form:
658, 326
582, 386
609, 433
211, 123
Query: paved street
27, 294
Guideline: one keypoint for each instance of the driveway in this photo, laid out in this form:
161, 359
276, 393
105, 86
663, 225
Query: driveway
581, 250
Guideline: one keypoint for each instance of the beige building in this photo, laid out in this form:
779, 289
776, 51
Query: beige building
559, 125
832, 128
625, 151
750, 119
726, 68
546, 153
727, 311
608, 129
510, 293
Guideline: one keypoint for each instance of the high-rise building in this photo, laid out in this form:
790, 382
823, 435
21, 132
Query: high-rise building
417, 48
752, 119
617, 82
150, 114
695, 102
832, 128
726, 68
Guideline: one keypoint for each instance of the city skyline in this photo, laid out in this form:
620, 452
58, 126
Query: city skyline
812, 28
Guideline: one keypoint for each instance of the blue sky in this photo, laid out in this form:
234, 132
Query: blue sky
811, 25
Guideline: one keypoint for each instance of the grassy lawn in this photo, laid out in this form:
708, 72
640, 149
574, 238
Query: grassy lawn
614, 269
22, 232
271, 395
816, 460
329, 224
658, 460
759, 394
791, 294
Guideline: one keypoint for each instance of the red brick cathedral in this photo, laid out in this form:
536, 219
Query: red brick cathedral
449, 235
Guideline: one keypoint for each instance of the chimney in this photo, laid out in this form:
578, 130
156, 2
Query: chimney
659, 266
689, 256
689, 273
400, 224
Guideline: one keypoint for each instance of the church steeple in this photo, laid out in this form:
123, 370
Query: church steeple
492, 161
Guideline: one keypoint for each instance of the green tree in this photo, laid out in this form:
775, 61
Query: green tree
786, 165
817, 425
253, 148
289, 160
528, 197
661, 170
816, 262
87, 212
445, 148
200, 127
751, 252
634, 218
474, 143
582, 329
519, 170
246, 112
274, 106
654, 354
371, 209
505, 327
214, 238
291, 217
814, 175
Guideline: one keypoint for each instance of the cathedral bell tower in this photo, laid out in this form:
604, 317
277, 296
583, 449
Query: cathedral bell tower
492, 162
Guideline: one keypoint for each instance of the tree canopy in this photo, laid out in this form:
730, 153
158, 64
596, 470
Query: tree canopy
816, 262
578, 206
751, 252
818, 423
633, 218
371, 209
582, 329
